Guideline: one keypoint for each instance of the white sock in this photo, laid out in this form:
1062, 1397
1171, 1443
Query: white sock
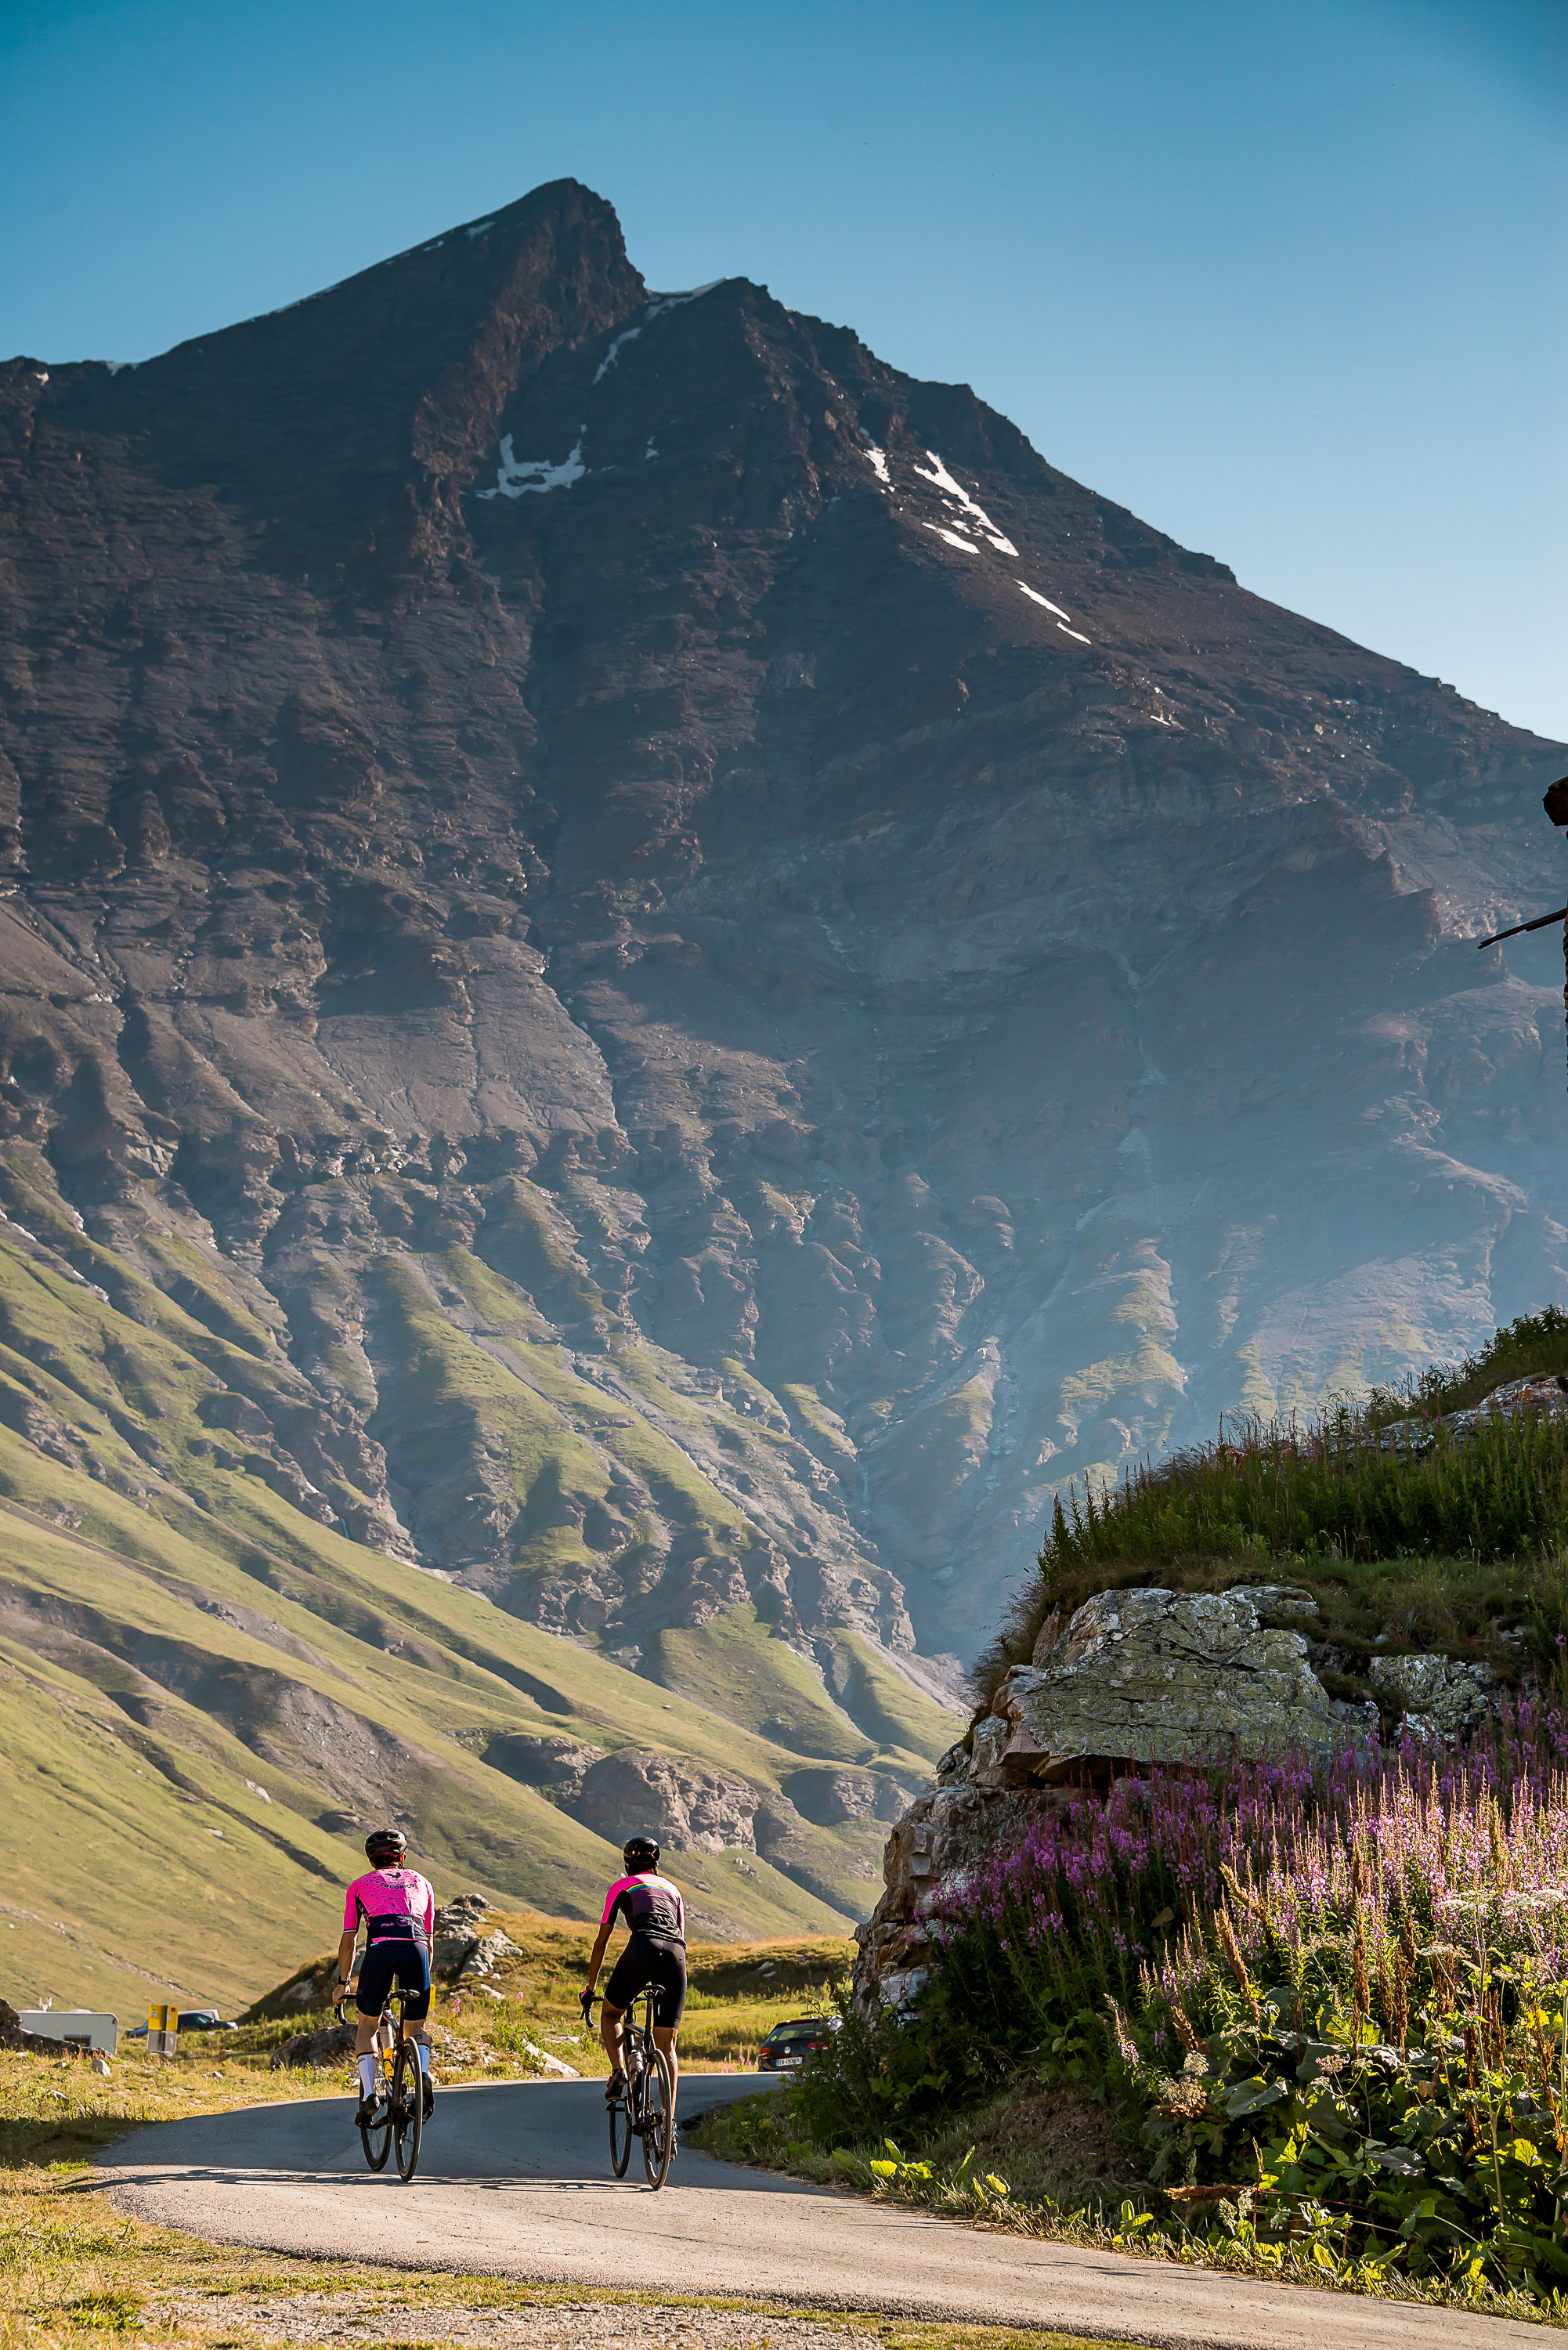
368, 2076
424, 2057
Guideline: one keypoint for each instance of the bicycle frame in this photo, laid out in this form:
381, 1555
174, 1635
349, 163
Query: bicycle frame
399, 2119
645, 2106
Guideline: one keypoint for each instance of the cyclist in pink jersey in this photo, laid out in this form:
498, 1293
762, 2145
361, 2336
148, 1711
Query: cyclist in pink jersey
651, 1907
397, 1907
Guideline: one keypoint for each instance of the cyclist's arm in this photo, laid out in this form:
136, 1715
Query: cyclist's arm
345, 1964
596, 1958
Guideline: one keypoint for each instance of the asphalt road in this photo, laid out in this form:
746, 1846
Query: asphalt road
516, 2180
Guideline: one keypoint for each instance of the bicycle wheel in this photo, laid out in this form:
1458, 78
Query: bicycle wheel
622, 2131
408, 2109
376, 2136
657, 2117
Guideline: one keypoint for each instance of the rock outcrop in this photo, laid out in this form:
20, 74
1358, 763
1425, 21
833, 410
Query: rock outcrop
1543, 1399
958, 1828
1135, 1677
461, 1945
693, 1809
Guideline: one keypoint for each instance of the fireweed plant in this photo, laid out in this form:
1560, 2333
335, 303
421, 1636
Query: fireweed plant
1327, 1999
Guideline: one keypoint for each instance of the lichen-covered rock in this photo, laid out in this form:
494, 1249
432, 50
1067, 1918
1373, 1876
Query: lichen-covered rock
1152, 1675
1278, 1602
1440, 1697
1144, 1676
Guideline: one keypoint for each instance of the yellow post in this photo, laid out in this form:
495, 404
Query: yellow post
162, 2030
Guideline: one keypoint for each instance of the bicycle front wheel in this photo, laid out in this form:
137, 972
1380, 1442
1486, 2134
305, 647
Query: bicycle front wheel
621, 2131
408, 2110
376, 2136
657, 2117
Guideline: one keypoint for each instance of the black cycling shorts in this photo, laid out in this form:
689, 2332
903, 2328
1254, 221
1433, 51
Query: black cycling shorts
407, 1963
662, 1964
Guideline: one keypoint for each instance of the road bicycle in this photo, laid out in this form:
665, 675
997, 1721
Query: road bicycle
645, 2108
399, 2119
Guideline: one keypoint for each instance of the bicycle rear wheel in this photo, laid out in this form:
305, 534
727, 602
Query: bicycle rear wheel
408, 2110
622, 2132
657, 2117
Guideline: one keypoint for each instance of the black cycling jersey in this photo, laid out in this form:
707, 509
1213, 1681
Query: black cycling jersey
647, 1904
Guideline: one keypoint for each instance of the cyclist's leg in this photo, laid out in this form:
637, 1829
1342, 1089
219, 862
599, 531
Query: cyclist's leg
610, 2034
413, 1972
375, 1983
628, 1974
664, 2036
669, 1977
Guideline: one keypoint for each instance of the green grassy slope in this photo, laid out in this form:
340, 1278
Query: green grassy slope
202, 1687
160, 1738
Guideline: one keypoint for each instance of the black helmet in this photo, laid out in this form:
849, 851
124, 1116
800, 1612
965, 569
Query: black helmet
385, 1845
640, 1853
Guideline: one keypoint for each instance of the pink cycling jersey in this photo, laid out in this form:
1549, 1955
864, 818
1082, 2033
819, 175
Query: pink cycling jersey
650, 1905
397, 1904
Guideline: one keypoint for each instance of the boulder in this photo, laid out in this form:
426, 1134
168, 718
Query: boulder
1440, 1697
463, 1916
458, 1927
555, 2066
483, 1955
330, 2045
1152, 1675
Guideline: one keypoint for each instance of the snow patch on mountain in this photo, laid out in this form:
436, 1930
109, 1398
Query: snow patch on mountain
955, 493
515, 478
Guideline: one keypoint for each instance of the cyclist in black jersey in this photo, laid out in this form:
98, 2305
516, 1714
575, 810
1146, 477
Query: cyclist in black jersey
651, 1907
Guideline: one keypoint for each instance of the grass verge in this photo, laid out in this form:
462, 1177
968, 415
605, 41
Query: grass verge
762, 2133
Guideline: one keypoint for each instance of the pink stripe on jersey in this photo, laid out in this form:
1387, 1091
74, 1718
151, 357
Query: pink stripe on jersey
649, 1904
390, 1893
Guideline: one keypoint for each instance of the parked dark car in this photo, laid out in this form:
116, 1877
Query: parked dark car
191, 2019
788, 2045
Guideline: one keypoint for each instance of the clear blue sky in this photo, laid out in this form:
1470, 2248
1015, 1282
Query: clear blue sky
1285, 276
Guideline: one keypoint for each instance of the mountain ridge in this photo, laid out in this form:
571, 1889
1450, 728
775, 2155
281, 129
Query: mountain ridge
722, 971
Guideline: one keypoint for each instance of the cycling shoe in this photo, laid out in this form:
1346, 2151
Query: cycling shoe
429, 2096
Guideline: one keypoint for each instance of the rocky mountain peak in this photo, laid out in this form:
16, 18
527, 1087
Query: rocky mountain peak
701, 978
